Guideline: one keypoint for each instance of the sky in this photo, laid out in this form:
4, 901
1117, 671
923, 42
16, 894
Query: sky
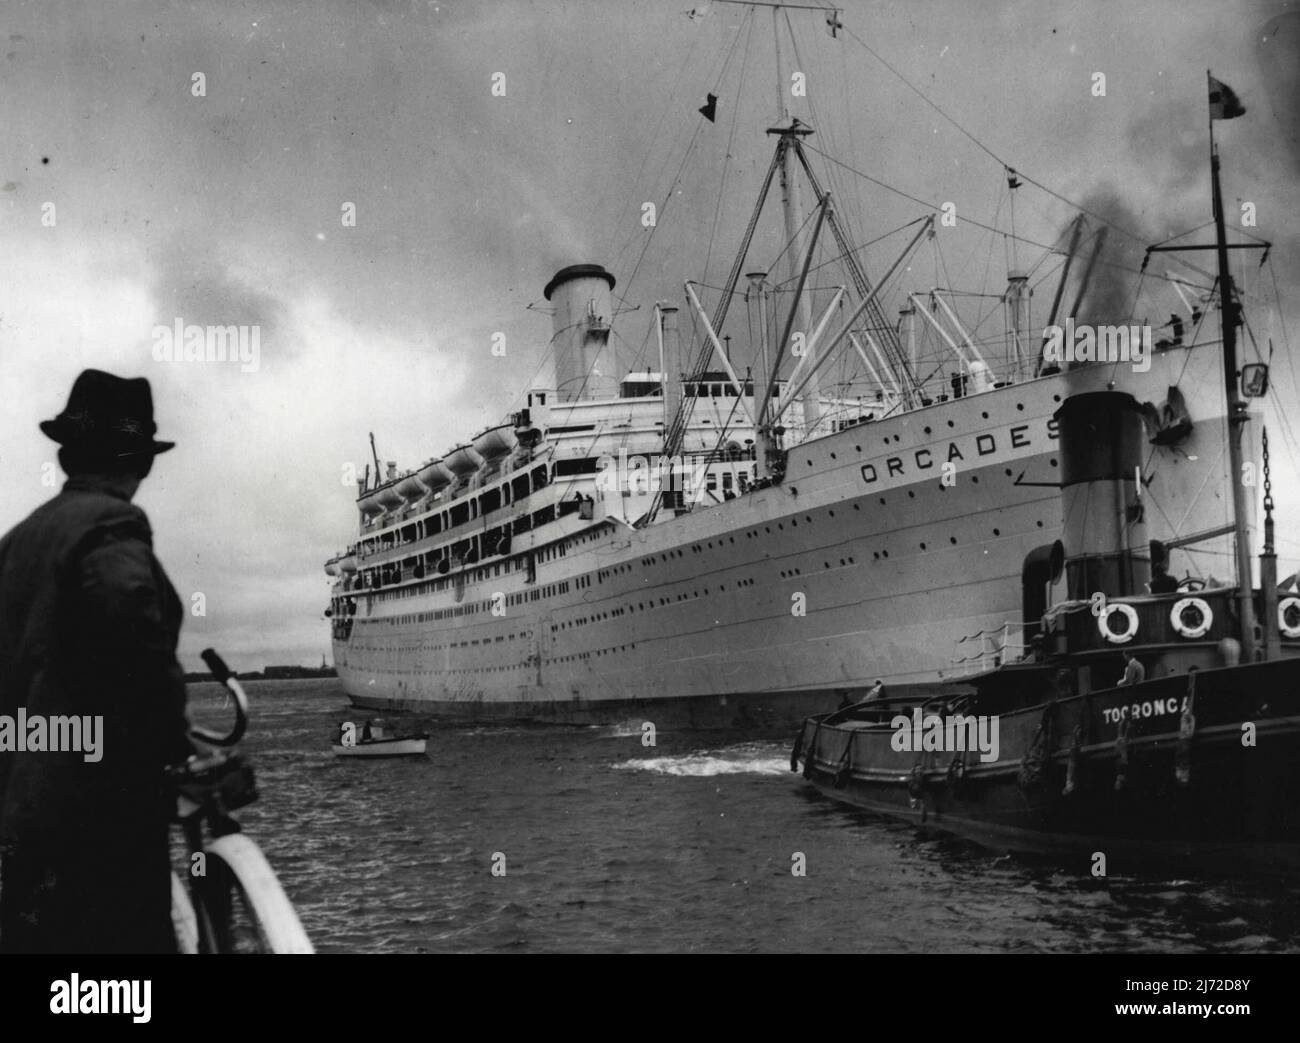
199, 161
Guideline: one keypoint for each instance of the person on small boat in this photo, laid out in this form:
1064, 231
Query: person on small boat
1134, 671
876, 693
366, 732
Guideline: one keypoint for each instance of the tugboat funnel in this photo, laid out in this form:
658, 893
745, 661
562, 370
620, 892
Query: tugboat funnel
1102, 442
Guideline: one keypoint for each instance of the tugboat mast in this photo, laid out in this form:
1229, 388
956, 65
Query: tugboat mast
1237, 414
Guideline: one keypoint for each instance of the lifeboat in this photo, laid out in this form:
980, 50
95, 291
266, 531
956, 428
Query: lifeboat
496, 442
388, 497
348, 564
370, 506
332, 567
434, 476
410, 488
462, 460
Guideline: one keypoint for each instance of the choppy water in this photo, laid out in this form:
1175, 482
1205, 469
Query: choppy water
687, 846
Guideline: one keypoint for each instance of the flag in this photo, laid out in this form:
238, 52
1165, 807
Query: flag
710, 108
1223, 102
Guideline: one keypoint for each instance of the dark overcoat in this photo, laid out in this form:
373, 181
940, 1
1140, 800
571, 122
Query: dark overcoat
88, 627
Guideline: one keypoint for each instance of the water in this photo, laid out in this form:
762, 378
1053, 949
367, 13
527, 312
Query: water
687, 846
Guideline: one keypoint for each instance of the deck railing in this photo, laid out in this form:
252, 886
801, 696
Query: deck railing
989, 649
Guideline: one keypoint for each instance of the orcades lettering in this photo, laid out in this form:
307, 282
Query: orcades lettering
961, 450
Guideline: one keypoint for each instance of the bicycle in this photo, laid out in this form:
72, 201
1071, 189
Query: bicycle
234, 903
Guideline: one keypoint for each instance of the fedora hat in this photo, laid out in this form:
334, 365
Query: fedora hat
113, 414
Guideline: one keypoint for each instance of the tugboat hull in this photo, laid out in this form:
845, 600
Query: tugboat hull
1124, 773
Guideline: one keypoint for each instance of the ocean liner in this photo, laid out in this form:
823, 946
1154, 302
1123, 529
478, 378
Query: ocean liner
716, 539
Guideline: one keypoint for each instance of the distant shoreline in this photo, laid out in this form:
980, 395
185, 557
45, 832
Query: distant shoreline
272, 673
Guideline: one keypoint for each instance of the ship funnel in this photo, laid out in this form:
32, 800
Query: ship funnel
1104, 533
586, 365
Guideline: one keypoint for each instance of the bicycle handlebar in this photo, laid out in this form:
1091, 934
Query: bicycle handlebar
223, 675
216, 664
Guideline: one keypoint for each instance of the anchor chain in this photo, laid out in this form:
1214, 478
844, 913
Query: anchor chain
1268, 479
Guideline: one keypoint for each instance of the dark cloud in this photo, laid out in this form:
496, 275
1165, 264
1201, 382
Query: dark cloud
194, 283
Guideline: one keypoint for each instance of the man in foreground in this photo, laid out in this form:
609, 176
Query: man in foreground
88, 629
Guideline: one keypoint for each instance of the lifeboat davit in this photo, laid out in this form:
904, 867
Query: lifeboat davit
388, 497
496, 442
434, 475
410, 488
463, 460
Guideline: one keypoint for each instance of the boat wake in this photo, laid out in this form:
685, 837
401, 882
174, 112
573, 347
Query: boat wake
622, 730
746, 759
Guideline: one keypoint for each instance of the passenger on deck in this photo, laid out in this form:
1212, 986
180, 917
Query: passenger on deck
1134, 671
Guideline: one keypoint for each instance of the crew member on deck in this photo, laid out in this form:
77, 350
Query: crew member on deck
1161, 581
1134, 671
1176, 325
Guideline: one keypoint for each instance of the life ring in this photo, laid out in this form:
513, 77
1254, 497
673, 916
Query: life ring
1291, 605
1186, 629
1103, 623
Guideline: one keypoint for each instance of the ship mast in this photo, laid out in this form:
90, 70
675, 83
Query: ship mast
1238, 417
1237, 414
792, 208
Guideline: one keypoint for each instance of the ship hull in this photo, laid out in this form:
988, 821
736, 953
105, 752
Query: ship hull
883, 547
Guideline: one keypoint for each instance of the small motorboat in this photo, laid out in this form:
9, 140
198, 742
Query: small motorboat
372, 742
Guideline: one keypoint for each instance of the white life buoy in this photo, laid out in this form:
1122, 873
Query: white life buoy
1130, 615
1186, 629
1292, 605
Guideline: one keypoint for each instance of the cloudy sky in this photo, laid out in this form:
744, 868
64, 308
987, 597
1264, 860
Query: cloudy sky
226, 205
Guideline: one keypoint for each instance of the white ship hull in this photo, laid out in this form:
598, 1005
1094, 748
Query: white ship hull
861, 564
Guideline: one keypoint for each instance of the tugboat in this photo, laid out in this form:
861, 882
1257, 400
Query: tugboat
1144, 724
